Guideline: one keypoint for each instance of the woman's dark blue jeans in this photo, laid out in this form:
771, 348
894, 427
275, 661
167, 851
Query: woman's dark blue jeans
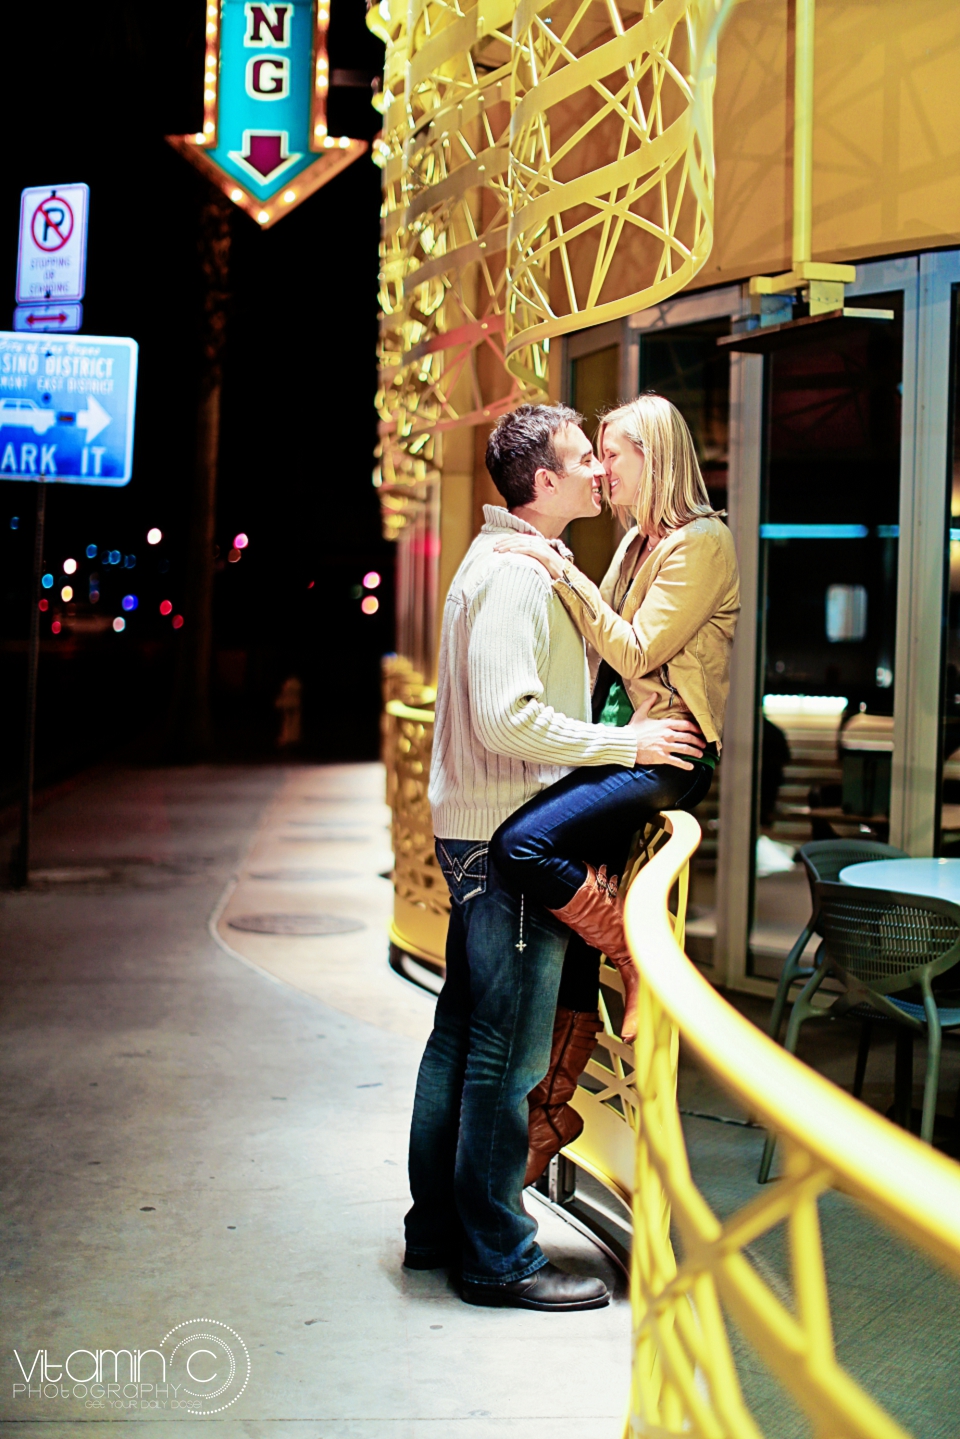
590, 816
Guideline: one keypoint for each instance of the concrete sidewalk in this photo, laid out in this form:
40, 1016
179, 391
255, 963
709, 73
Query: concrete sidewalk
190, 1138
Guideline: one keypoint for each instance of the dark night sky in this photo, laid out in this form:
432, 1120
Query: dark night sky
101, 88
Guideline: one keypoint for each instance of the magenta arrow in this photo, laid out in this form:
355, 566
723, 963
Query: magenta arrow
265, 154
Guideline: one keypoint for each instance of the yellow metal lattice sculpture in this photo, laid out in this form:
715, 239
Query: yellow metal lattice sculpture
455, 222
685, 1380
403, 479
501, 125
612, 162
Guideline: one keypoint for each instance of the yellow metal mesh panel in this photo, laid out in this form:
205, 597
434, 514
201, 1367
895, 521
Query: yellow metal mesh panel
519, 146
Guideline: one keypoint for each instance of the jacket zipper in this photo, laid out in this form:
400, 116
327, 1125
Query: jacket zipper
665, 680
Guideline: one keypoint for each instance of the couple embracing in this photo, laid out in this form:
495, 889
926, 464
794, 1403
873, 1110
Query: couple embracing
536, 795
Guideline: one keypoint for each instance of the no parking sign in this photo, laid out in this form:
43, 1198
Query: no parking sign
52, 258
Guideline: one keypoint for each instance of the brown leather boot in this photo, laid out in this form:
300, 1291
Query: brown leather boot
595, 915
553, 1123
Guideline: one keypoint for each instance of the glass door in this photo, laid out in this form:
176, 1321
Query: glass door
829, 538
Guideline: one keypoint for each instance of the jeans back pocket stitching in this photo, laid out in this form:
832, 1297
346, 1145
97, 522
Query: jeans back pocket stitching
463, 870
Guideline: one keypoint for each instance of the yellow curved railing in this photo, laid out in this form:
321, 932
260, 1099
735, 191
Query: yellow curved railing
684, 1379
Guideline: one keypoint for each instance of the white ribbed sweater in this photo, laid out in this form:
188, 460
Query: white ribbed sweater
513, 694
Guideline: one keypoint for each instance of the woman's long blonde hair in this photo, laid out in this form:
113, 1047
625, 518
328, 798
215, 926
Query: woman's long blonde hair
672, 491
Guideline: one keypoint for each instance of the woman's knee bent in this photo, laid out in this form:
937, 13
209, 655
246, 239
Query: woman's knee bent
516, 854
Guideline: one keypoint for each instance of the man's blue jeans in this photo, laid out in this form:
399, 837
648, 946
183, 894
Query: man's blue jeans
489, 1047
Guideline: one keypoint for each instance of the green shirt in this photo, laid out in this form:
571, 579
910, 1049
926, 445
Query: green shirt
618, 711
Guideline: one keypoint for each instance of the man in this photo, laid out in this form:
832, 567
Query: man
513, 707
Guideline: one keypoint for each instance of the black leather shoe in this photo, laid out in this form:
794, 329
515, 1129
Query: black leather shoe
549, 1288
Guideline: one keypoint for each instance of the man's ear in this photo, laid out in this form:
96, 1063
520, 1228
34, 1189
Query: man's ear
545, 484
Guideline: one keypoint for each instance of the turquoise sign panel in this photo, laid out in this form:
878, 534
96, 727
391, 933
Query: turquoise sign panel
265, 93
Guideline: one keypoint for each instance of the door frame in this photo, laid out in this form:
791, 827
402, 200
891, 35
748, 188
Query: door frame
921, 590
927, 282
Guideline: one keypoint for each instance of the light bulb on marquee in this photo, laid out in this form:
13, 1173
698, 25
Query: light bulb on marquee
266, 78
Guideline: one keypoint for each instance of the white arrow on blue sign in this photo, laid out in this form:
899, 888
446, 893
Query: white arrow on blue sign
67, 407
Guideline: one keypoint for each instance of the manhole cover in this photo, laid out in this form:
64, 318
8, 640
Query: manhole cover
290, 875
295, 924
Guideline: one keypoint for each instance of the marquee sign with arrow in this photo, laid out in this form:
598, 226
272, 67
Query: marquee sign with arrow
265, 141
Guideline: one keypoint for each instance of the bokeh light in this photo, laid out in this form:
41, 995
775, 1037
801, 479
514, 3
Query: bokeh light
112, 557
129, 602
69, 567
14, 522
44, 605
234, 555
370, 604
371, 579
91, 552
66, 594
154, 536
47, 582
240, 541
55, 627
129, 562
119, 623
166, 607
177, 622
94, 596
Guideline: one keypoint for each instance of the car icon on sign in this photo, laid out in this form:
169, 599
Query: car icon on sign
27, 415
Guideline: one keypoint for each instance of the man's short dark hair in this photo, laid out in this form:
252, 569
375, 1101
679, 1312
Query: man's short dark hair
522, 444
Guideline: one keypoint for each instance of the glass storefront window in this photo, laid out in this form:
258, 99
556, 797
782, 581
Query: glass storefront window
949, 822
829, 540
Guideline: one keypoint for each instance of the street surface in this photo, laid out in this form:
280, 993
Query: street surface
210, 1123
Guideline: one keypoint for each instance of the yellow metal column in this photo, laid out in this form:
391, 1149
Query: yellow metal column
821, 285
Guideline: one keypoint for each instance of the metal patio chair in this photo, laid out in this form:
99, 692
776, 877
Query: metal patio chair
880, 944
823, 859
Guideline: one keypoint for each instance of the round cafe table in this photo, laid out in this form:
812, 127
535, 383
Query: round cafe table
936, 878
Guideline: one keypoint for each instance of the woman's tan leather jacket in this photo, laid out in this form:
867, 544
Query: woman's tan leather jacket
669, 630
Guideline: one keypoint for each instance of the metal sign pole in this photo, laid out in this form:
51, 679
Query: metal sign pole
21, 855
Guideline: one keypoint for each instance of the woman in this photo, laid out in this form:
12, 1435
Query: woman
662, 622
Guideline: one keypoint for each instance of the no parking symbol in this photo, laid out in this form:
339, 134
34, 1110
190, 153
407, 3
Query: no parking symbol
53, 243
52, 224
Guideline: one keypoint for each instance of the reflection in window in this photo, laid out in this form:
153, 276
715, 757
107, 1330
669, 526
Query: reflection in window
829, 538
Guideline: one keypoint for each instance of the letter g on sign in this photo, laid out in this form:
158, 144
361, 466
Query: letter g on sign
268, 77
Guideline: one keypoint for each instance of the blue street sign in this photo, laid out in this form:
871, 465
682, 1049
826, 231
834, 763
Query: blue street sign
67, 405
264, 139
55, 319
